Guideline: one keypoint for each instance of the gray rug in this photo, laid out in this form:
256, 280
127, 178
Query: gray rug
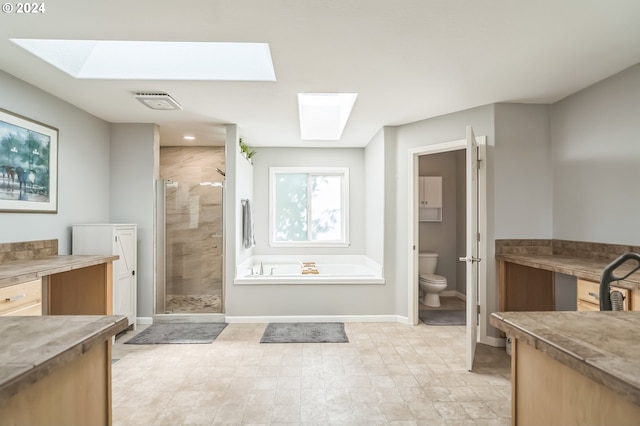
169, 333
305, 332
442, 317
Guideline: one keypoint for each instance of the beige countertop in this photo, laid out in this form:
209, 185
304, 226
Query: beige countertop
582, 268
19, 271
603, 346
32, 347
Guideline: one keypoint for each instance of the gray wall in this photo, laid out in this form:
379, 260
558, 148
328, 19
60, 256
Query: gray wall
596, 162
311, 157
374, 177
442, 237
134, 160
523, 173
83, 166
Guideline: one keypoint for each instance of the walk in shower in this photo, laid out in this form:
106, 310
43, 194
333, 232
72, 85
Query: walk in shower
189, 247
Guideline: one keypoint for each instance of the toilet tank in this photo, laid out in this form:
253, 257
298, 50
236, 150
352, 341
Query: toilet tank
427, 263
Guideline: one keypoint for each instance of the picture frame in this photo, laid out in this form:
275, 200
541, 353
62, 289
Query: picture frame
28, 165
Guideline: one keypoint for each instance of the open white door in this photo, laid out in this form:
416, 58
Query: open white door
472, 257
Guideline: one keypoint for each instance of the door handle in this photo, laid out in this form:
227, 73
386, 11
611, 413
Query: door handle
469, 259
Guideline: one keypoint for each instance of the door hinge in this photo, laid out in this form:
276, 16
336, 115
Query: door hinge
478, 236
478, 309
116, 238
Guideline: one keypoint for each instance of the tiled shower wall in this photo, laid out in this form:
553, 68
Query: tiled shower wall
194, 225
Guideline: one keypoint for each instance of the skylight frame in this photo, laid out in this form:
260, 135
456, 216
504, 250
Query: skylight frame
323, 116
155, 60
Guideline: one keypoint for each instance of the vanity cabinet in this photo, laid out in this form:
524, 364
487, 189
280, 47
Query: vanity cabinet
23, 299
113, 239
589, 295
430, 198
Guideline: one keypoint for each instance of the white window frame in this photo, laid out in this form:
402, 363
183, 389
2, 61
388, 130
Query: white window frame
323, 171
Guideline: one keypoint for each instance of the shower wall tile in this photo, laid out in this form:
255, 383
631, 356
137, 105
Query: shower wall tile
193, 220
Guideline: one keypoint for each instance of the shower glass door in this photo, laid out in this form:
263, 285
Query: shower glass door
189, 226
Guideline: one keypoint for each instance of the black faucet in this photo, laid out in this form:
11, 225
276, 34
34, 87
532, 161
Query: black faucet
608, 277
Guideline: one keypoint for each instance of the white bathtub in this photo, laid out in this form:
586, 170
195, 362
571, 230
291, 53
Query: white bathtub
352, 269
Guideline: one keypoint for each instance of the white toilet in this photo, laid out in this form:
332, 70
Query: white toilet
431, 284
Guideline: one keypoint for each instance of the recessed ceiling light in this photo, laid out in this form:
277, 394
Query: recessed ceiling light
190, 138
155, 60
324, 115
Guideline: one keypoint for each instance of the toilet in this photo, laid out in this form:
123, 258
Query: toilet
431, 284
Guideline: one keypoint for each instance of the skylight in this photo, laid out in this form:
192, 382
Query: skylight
155, 60
324, 115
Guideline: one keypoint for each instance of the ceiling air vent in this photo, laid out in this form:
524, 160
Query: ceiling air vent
161, 101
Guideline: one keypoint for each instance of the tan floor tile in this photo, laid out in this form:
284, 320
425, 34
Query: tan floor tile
314, 413
389, 373
257, 414
396, 412
229, 414
285, 414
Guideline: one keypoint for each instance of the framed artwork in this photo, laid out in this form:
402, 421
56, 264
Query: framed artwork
28, 165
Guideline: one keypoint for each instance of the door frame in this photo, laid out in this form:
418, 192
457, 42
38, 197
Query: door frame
412, 209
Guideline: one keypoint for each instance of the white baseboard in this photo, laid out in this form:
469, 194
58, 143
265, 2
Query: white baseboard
454, 293
316, 318
144, 320
188, 318
496, 342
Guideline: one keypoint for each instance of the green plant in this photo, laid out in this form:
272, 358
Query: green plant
246, 150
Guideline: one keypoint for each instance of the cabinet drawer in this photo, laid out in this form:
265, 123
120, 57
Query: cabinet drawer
586, 306
19, 296
588, 291
24, 311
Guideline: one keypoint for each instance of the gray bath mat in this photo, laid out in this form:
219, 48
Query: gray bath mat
158, 334
442, 317
305, 332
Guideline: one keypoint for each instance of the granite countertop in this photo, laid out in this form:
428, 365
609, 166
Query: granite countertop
19, 271
603, 346
582, 268
32, 347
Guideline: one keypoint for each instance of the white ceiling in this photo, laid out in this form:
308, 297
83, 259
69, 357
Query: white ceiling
407, 59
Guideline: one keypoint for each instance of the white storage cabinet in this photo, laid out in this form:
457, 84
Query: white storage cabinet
430, 198
113, 239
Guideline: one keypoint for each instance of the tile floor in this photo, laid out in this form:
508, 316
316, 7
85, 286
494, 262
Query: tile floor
388, 373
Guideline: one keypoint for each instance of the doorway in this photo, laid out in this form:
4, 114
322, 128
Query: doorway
476, 192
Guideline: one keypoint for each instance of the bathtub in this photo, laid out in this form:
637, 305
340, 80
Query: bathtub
351, 269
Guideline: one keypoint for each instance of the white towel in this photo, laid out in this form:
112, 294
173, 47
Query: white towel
248, 239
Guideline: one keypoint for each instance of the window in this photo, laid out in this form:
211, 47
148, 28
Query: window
308, 206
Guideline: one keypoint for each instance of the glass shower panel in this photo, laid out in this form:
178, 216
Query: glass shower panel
193, 243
